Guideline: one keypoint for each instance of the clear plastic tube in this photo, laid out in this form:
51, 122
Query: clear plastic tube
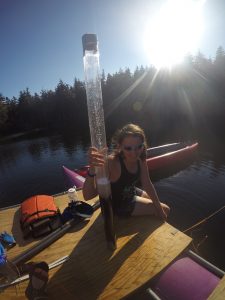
97, 129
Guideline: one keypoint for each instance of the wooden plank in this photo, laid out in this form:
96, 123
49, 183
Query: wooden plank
144, 247
219, 292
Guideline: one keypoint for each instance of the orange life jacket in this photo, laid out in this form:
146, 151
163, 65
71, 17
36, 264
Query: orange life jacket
36, 208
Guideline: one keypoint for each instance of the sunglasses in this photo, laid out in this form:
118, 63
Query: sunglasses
134, 148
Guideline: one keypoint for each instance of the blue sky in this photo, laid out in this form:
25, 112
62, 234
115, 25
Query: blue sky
40, 40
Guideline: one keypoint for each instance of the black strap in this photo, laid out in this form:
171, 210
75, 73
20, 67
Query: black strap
37, 212
123, 166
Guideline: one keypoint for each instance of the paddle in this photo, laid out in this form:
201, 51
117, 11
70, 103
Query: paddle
97, 129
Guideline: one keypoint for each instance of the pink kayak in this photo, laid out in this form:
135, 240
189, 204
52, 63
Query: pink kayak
74, 178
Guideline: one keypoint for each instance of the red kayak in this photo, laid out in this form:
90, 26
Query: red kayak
157, 158
175, 153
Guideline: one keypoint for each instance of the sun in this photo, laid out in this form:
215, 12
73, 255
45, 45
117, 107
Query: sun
175, 31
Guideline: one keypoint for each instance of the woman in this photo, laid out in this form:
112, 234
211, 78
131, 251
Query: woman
127, 170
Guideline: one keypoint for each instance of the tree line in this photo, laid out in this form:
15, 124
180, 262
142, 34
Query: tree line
186, 102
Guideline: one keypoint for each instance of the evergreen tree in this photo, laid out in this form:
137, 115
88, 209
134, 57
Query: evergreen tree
220, 56
3, 113
187, 98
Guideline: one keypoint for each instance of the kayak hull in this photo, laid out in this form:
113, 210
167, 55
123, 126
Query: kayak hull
170, 158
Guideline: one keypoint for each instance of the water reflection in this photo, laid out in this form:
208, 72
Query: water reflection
36, 149
33, 166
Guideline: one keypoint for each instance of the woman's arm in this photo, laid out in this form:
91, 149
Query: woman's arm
89, 188
150, 190
95, 159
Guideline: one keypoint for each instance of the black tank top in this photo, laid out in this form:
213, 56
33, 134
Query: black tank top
123, 190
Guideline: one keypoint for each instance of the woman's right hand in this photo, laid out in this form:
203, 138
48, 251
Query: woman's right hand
96, 158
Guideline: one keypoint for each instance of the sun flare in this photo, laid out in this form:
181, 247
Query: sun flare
175, 31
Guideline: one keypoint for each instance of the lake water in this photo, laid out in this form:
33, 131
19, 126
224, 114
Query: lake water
194, 191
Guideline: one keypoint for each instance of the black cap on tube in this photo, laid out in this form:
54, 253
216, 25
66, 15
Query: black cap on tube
90, 42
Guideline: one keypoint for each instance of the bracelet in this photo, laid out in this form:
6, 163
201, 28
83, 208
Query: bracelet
89, 174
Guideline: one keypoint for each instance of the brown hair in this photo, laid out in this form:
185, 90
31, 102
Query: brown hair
129, 130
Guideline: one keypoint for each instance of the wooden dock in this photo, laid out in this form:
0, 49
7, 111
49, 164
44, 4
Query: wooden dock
145, 246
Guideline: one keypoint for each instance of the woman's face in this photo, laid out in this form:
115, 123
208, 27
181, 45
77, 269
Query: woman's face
132, 147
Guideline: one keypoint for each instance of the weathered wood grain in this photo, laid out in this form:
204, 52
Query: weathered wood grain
219, 292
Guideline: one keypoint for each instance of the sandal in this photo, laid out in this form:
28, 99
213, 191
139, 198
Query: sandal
77, 208
81, 209
38, 273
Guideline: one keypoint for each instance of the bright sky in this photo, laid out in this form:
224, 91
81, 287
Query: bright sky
40, 40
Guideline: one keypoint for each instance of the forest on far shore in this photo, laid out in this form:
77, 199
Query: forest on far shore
186, 102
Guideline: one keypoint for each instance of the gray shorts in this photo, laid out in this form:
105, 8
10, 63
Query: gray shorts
128, 206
